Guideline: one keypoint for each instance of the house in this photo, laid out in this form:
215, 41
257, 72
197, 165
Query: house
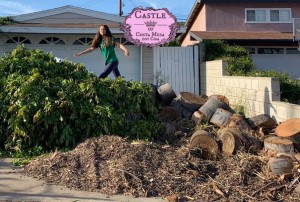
67, 30
264, 27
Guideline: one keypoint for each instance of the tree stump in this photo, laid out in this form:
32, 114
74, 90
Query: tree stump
166, 93
191, 101
221, 117
205, 141
289, 129
274, 145
279, 165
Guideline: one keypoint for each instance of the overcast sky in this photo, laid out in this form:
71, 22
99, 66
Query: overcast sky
180, 8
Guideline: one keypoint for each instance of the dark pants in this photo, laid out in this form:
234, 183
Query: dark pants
111, 67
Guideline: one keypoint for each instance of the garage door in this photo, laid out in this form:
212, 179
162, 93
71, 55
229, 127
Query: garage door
129, 66
288, 62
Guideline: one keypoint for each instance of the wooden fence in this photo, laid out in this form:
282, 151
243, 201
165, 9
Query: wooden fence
178, 66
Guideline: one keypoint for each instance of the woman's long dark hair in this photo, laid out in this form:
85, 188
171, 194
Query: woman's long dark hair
98, 37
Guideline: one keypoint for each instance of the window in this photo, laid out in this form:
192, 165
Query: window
262, 15
250, 50
18, 40
52, 40
270, 51
292, 51
83, 41
124, 41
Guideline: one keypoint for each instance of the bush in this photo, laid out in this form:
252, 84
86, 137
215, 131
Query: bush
239, 66
238, 59
214, 49
58, 104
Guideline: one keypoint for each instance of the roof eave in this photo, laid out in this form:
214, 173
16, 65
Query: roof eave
51, 30
191, 18
62, 30
68, 8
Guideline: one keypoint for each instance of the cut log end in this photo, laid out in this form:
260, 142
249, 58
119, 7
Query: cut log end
230, 143
233, 140
289, 129
169, 114
206, 142
191, 101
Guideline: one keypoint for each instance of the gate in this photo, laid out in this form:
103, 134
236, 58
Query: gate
178, 66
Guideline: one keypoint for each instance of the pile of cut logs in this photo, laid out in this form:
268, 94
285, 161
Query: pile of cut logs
229, 132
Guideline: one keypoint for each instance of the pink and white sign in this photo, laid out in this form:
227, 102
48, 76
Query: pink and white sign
150, 27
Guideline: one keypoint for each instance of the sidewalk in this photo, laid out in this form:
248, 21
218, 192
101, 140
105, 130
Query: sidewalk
16, 187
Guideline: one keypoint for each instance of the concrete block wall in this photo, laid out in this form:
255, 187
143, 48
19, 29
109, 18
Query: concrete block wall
255, 95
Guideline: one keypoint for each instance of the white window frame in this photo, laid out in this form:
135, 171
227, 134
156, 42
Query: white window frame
268, 11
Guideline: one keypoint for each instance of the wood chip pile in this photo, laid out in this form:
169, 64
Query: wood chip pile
230, 158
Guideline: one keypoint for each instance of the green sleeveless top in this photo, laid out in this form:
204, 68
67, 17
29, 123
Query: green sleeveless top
109, 51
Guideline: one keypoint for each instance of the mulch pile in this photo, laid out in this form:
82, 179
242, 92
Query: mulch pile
111, 165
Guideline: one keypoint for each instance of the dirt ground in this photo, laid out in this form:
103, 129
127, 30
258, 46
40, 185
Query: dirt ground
112, 165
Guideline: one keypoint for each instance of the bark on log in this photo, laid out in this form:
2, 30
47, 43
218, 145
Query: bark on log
166, 93
262, 120
279, 165
254, 145
198, 117
154, 95
211, 105
239, 121
206, 142
184, 112
274, 145
221, 117
185, 125
289, 129
220, 97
